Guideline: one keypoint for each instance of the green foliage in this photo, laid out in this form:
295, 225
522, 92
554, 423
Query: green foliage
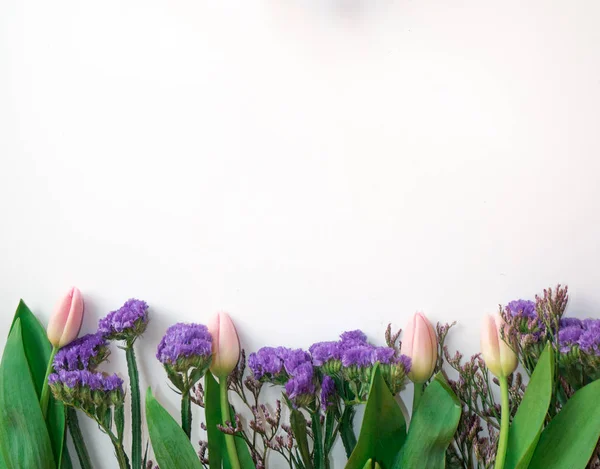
570, 438
383, 430
24, 439
38, 351
212, 409
171, 445
298, 424
528, 422
432, 428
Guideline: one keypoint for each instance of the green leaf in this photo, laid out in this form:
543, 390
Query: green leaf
570, 438
383, 429
38, 350
172, 447
24, 439
298, 424
212, 410
431, 428
528, 422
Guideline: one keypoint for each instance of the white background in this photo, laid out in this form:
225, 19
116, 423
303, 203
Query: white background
309, 166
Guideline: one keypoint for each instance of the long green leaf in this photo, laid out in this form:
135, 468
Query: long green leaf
24, 439
212, 410
528, 422
172, 447
383, 430
431, 428
38, 350
570, 438
298, 424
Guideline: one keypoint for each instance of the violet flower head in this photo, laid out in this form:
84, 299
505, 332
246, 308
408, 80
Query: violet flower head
293, 358
126, 323
524, 308
301, 388
351, 339
186, 346
328, 393
589, 341
570, 322
85, 389
359, 356
322, 352
266, 363
85, 353
383, 355
569, 336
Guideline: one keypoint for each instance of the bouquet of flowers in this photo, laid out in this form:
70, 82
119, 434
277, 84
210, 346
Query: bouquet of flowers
529, 400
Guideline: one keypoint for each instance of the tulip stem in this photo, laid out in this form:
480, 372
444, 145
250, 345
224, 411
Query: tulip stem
225, 416
418, 394
504, 424
136, 414
45, 396
186, 414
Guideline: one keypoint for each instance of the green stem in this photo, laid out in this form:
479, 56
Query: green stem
136, 414
225, 417
347, 430
186, 414
121, 455
82, 453
419, 389
504, 424
45, 397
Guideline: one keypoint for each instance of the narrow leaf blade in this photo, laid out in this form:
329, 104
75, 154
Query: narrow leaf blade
298, 424
528, 422
24, 439
383, 414
172, 447
570, 438
431, 428
212, 409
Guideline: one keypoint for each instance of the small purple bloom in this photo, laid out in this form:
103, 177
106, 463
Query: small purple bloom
83, 353
267, 360
328, 393
523, 308
353, 338
292, 359
406, 363
571, 322
322, 352
184, 341
301, 387
358, 356
112, 383
127, 322
589, 341
383, 355
569, 336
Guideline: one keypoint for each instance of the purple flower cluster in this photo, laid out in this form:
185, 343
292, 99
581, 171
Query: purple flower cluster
126, 323
524, 308
328, 392
282, 365
85, 353
86, 379
584, 334
184, 341
273, 362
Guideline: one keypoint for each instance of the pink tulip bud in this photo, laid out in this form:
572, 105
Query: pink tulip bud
421, 345
65, 322
225, 345
498, 356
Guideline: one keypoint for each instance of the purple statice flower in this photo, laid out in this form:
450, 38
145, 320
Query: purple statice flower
112, 383
383, 355
589, 341
569, 336
94, 381
360, 355
328, 392
590, 324
523, 308
126, 323
350, 339
293, 358
301, 388
267, 362
322, 352
184, 346
406, 362
571, 322
87, 352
